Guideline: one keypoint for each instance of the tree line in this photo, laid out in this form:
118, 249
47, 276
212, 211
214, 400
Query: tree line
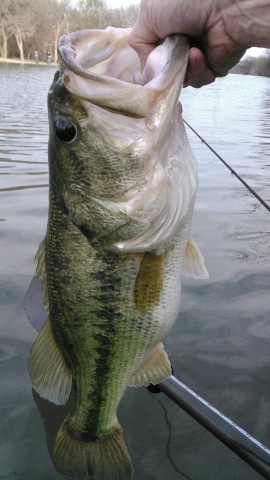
27, 26
254, 65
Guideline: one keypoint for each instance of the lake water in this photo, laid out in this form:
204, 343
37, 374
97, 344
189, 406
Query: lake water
220, 346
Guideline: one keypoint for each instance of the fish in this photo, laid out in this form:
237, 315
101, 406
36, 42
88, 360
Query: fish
122, 186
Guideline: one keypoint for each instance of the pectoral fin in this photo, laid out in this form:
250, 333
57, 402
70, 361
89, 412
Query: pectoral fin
155, 370
149, 281
193, 262
50, 375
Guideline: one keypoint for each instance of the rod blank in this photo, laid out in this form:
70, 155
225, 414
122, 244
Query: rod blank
234, 437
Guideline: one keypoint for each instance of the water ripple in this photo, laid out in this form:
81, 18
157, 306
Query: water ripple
24, 129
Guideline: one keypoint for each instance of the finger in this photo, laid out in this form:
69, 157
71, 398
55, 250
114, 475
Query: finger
198, 73
143, 49
142, 39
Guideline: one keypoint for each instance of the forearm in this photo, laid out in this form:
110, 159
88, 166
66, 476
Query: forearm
247, 22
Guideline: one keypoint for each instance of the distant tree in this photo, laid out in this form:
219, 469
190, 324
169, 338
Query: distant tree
262, 66
22, 26
58, 19
29, 25
6, 27
51, 19
124, 16
96, 14
92, 5
39, 39
93, 14
22, 30
254, 65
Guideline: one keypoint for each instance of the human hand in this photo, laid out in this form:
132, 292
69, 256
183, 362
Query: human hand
207, 22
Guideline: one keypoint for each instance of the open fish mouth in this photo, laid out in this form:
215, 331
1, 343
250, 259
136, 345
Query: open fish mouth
100, 67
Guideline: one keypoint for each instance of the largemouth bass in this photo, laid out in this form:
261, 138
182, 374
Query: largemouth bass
122, 188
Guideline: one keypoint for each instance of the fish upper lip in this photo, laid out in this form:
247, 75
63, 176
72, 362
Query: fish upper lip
67, 53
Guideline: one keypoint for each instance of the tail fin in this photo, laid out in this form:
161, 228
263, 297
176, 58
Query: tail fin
106, 458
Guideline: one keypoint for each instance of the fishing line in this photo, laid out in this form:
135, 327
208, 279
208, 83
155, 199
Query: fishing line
253, 452
230, 168
169, 439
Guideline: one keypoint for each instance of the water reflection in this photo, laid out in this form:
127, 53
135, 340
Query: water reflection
257, 252
53, 417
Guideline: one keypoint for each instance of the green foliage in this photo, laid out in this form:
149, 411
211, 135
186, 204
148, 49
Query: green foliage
29, 25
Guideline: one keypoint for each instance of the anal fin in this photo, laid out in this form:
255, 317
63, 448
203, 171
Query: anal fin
50, 375
155, 370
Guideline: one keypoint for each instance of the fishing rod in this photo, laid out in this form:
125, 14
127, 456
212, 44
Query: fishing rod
229, 167
238, 440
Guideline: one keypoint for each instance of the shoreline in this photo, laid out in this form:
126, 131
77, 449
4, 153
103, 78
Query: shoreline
26, 62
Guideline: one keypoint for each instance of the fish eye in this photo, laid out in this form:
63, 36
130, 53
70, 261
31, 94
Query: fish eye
65, 130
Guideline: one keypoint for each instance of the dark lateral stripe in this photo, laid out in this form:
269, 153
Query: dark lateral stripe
104, 339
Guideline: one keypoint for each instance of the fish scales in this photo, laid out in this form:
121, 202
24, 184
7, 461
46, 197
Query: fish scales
122, 189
